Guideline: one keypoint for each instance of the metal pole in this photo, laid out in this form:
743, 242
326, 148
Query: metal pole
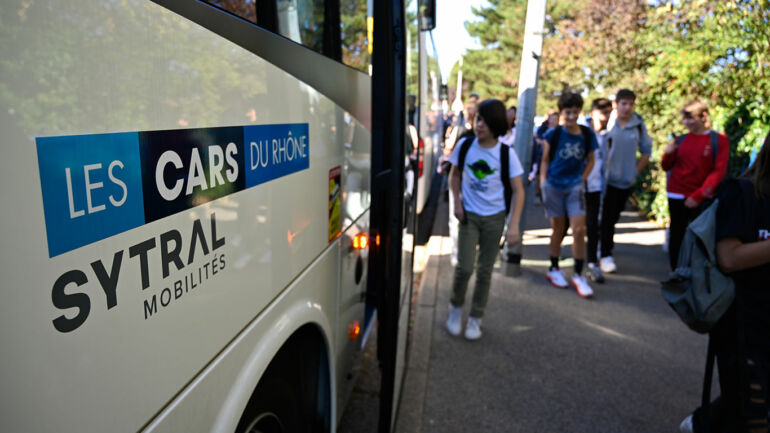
525, 116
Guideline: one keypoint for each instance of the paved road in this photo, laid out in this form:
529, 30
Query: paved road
550, 361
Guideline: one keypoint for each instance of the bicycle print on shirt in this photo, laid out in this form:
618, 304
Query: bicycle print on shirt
572, 150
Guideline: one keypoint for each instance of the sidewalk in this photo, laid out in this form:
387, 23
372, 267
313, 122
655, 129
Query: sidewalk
550, 361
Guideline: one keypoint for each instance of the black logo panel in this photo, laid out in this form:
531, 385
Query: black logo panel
189, 167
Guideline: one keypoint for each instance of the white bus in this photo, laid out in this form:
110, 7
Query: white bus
430, 115
187, 237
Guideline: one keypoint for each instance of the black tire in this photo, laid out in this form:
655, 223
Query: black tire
274, 408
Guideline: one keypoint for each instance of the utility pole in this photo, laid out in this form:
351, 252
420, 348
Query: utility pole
457, 105
531, 53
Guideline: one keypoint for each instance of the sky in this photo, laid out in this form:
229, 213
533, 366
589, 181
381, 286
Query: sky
450, 35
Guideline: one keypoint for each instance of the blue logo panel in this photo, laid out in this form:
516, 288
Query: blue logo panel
96, 186
92, 188
273, 151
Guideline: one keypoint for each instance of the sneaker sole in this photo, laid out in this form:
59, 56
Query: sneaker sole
554, 284
580, 294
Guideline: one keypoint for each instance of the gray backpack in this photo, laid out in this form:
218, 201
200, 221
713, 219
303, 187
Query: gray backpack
697, 290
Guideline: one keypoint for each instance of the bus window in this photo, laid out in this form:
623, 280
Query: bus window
355, 42
243, 8
302, 21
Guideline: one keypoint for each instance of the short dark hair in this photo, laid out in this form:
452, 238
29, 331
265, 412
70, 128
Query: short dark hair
759, 172
625, 94
570, 100
600, 103
493, 113
474, 95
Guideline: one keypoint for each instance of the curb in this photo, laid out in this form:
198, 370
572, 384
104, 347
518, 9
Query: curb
418, 362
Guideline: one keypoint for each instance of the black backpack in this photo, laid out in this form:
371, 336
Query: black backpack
504, 169
554, 141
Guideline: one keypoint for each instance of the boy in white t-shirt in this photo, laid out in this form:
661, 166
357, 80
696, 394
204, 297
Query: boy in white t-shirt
482, 198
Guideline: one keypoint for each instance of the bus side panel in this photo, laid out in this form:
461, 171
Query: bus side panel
102, 336
350, 310
218, 396
216, 399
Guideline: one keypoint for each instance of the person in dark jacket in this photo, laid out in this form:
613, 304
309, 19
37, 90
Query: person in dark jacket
741, 338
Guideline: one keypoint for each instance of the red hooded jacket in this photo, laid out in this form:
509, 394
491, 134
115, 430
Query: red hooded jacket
694, 172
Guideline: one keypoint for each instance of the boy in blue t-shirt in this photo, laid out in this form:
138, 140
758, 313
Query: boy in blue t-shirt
562, 178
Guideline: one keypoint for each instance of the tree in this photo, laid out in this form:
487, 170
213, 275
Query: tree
593, 48
668, 51
493, 70
355, 45
715, 51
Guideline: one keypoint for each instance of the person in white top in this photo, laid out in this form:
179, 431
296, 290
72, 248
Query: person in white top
483, 171
600, 114
510, 135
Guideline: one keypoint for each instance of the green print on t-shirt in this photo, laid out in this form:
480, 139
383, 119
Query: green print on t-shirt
481, 169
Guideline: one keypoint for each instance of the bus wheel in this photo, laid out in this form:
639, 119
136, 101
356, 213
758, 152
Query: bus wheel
273, 409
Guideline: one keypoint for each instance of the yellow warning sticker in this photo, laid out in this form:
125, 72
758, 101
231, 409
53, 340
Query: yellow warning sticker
335, 202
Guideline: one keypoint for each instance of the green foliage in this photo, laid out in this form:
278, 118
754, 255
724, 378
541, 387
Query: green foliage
717, 52
60, 97
355, 46
493, 70
668, 51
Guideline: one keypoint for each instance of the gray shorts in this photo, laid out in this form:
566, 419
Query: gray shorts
563, 202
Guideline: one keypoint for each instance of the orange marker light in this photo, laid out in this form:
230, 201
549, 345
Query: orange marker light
354, 329
360, 241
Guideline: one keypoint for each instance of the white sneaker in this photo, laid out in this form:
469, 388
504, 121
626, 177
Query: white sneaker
557, 278
594, 273
686, 425
581, 285
473, 329
453, 321
607, 265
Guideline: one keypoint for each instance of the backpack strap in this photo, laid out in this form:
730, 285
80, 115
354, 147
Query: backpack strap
586, 140
639, 128
553, 142
678, 140
465, 145
505, 170
705, 401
